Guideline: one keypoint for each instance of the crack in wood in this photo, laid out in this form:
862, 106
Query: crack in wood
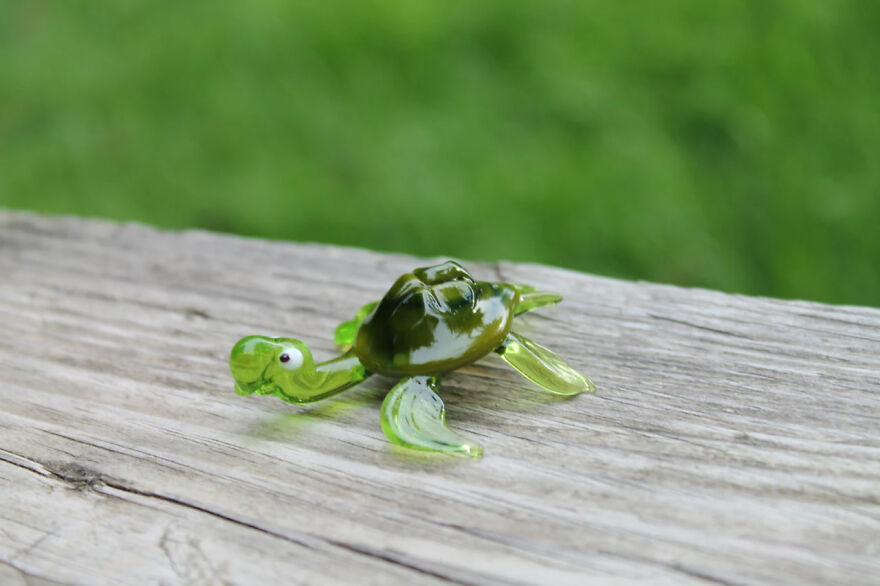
79, 477
388, 557
699, 326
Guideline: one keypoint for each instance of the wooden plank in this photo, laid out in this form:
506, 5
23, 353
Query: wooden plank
733, 439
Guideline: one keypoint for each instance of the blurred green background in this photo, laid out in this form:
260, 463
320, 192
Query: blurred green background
729, 144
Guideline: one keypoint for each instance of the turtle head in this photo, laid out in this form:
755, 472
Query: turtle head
271, 366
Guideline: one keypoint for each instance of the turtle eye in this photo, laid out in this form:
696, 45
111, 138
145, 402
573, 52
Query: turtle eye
290, 358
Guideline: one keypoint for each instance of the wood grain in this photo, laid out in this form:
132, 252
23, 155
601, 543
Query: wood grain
733, 440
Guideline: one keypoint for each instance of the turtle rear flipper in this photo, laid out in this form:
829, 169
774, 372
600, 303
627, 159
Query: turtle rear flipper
543, 367
413, 416
530, 298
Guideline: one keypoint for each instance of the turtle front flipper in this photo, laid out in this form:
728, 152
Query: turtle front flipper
413, 416
543, 367
347, 330
530, 298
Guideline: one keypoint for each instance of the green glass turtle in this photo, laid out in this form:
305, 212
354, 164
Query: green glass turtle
432, 320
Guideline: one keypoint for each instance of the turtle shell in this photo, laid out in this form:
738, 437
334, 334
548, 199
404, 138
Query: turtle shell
435, 319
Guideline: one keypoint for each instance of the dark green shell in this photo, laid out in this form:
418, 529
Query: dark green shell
435, 319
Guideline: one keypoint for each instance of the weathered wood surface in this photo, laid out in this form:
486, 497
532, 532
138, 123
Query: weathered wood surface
733, 440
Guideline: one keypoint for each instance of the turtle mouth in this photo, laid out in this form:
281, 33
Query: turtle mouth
245, 389
260, 387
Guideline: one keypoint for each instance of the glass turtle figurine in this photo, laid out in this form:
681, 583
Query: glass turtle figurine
432, 320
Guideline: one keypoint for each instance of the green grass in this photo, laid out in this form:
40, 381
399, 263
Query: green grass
730, 144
